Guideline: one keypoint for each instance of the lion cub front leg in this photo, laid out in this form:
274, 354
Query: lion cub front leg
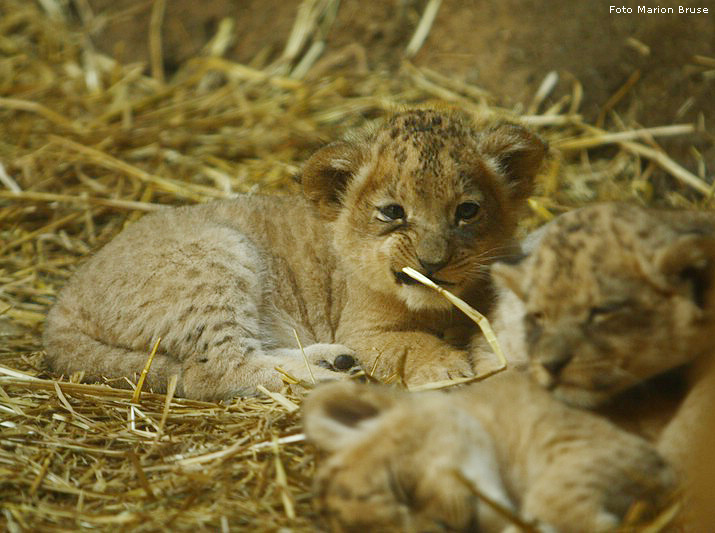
415, 356
237, 366
242, 365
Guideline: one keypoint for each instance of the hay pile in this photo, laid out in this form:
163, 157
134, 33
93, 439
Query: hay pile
87, 145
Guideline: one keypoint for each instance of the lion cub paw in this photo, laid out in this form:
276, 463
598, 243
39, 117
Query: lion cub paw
453, 365
335, 357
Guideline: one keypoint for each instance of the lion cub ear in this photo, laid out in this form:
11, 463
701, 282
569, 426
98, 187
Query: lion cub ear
688, 262
519, 154
336, 414
326, 175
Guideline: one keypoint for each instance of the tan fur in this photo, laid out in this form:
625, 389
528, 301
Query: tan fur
699, 457
225, 284
414, 462
617, 307
612, 296
612, 308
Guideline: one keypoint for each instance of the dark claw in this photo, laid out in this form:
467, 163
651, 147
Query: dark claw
344, 362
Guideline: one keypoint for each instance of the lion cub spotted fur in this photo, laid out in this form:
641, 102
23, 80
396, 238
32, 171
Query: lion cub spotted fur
225, 284
611, 296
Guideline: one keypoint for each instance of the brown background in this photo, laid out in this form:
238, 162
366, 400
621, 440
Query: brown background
505, 46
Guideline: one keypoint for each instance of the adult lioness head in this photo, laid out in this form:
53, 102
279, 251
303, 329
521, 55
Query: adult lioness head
426, 189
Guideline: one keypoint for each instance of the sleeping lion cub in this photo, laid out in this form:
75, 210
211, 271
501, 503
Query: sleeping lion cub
611, 297
429, 461
614, 308
225, 285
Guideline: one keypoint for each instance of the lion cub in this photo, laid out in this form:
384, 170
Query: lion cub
428, 461
614, 308
225, 285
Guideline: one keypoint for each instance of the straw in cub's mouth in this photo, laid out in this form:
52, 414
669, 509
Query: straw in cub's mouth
404, 279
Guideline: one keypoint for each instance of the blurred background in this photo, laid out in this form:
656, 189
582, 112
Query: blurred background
662, 64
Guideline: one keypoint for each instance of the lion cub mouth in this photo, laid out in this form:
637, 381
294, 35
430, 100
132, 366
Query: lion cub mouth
404, 279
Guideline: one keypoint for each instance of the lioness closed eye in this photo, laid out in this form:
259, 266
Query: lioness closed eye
226, 284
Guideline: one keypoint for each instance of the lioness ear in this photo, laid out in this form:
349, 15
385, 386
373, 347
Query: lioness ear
326, 175
510, 277
334, 415
688, 262
519, 154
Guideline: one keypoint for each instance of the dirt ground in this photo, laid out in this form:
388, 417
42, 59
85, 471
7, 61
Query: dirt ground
665, 60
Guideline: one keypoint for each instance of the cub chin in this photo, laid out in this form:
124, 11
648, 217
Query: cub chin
227, 286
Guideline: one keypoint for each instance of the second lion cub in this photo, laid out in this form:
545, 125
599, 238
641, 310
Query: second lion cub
225, 285
431, 462
614, 309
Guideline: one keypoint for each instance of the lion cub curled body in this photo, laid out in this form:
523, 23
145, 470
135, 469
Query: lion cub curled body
226, 284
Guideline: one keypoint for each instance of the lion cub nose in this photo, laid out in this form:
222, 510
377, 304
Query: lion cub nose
432, 266
555, 365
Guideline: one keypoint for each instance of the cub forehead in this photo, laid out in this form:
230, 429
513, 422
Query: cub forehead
415, 123
605, 235
428, 153
578, 251
426, 140
413, 175
593, 225
594, 251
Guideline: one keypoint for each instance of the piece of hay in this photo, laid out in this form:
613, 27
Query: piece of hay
474, 315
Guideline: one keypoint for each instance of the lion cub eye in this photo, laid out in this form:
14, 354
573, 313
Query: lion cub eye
534, 317
467, 211
390, 213
606, 311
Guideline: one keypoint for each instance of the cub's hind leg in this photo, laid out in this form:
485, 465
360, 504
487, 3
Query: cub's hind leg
201, 288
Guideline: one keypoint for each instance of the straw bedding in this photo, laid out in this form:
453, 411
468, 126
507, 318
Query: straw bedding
88, 145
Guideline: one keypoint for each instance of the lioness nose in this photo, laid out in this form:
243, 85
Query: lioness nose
432, 266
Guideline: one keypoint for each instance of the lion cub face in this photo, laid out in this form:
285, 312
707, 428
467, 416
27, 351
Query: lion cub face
427, 190
614, 295
392, 468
